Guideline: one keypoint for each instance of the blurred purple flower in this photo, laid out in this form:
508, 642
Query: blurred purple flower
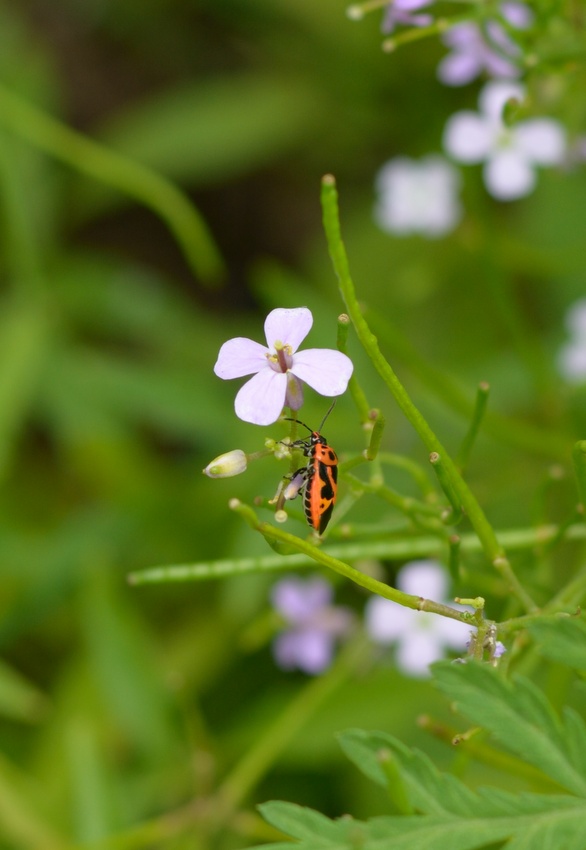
474, 52
418, 196
278, 369
499, 649
400, 13
313, 624
420, 637
510, 154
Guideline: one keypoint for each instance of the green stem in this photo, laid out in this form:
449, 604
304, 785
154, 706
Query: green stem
417, 603
454, 515
492, 548
398, 549
89, 157
463, 455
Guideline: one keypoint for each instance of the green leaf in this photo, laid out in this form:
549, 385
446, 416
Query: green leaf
527, 822
519, 716
372, 753
563, 641
215, 130
452, 816
19, 698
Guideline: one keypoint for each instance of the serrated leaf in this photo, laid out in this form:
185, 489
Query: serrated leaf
518, 715
563, 641
532, 822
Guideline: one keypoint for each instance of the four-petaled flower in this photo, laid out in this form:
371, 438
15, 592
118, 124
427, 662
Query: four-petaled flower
475, 51
418, 196
510, 154
313, 624
279, 368
420, 637
400, 12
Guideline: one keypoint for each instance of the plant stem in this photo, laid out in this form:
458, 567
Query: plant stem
492, 548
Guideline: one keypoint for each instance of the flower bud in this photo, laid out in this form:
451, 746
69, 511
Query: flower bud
292, 489
226, 465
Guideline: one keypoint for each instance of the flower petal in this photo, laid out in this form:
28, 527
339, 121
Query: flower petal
240, 356
458, 69
309, 649
468, 137
262, 398
423, 578
508, 175
542, 140
325, 370
417, 651
288, 326
452, 633
297, 600
385, 621
519, 15
572, 362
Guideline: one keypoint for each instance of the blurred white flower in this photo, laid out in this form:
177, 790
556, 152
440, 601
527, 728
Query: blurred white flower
420, 637
572, 355
510, 154
418, 196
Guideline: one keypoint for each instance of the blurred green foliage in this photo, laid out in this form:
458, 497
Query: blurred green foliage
123, 710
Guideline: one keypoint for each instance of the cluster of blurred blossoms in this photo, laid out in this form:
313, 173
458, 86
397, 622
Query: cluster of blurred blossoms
422, 196
312, 624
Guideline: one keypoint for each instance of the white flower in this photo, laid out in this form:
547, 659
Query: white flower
572, 355
420, 637
510, 154
418, 196
278, 368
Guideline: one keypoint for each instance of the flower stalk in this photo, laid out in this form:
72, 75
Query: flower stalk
486, 534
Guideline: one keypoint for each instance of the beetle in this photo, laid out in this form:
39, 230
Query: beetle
319, 477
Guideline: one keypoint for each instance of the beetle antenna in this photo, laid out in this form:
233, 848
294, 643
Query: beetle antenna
290, 419
329, 410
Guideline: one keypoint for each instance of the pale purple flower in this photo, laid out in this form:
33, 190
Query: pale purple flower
400, 13
572, 355
420, 637
313, 623
499, 649
510, 154
418, 196
474, 53
278, 368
